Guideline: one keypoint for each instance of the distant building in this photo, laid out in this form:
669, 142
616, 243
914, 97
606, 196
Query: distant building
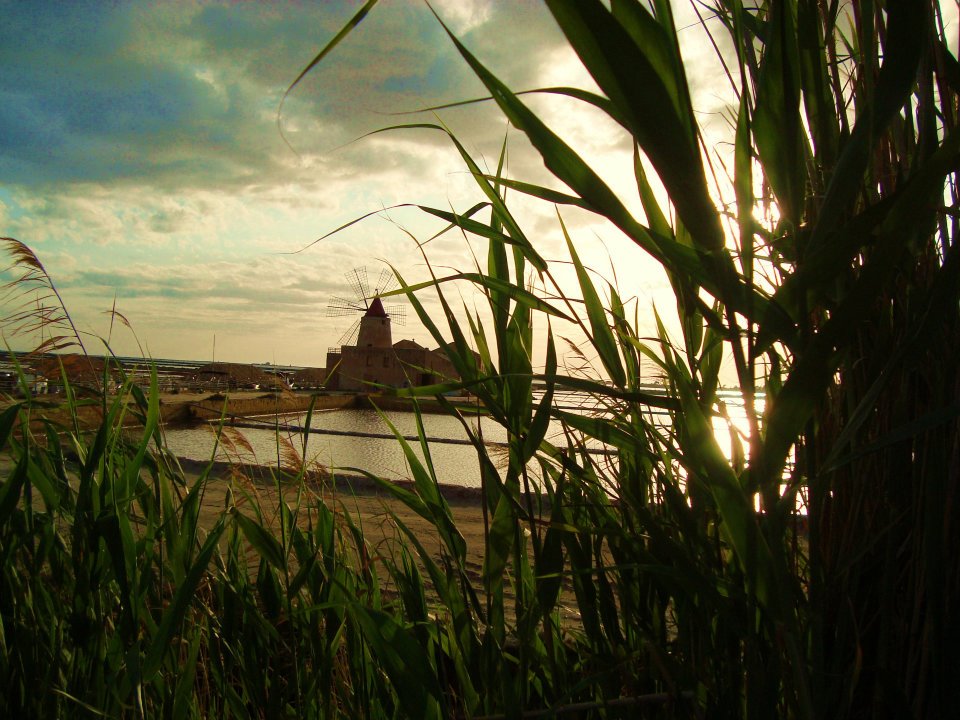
10, 383
309, 378
377, 359
235, 376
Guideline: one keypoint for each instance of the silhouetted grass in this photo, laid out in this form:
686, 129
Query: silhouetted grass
838, 309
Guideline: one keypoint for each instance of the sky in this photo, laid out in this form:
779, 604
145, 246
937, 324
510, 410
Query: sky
144, 159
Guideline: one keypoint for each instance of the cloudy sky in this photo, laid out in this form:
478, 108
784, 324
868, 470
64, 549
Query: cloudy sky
141, 159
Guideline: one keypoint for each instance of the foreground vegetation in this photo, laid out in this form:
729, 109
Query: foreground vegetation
838, 306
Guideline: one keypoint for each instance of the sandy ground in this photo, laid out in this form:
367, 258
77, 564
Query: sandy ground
373, 510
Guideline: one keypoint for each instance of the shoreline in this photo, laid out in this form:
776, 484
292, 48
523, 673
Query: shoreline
339, 482
184, 409
232, 406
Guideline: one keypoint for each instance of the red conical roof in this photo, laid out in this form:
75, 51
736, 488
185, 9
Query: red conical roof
376, 309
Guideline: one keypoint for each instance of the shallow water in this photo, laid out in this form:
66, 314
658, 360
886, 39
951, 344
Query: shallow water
454, 464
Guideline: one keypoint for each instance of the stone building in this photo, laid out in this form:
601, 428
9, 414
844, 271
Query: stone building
376, 359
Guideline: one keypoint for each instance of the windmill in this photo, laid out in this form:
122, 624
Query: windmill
364, 303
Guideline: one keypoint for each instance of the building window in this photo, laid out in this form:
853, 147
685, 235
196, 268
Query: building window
369, 360
386, 361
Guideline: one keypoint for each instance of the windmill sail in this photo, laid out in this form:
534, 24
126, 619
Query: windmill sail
362, 302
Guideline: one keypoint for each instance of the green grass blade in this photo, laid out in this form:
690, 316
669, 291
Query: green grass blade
633, 63
344, 31
262, 540
494, 284
776, 121
403, 659
602, 336
174, 615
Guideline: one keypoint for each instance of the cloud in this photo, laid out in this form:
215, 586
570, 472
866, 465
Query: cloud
81, 104
140, 155
180, 97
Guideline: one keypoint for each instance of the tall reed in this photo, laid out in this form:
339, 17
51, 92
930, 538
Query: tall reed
831, 283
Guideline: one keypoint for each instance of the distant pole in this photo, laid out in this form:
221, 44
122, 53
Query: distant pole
214, 360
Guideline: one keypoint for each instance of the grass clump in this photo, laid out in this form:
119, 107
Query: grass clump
121, 599
822, 266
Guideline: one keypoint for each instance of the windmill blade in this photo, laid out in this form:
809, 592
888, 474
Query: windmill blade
359, 285
359, 304
338, 307
386, 282
397, 313
350, 336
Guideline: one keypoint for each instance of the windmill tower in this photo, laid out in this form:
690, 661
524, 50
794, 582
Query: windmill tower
372, 327
375, 327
